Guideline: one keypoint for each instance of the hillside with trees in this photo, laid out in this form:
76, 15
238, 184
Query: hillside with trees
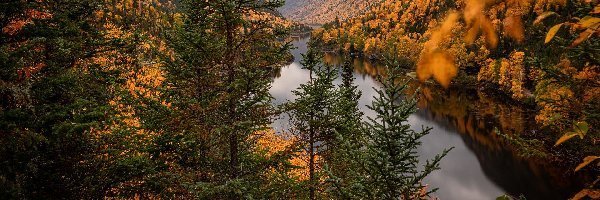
505, 44
317, 12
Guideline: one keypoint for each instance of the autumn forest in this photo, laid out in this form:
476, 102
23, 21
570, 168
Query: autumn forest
300, 99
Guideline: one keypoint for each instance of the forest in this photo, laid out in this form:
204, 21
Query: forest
174, 99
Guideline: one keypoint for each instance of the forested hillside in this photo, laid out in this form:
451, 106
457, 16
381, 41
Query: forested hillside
502, 43
316, 12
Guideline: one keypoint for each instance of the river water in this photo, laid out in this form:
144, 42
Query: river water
482, 165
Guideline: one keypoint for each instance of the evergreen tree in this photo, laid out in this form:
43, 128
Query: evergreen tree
218, 85
344, 166
350, 116
377, 159
313, 115
51, 98
391, 160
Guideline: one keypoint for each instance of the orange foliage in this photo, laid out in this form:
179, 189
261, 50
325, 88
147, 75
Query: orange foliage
26, 72
398, 27
477, 21
15, 26
144, 74
272, 19
591, 193
436, 62
323, 11
272, 142
513, 28
509, 74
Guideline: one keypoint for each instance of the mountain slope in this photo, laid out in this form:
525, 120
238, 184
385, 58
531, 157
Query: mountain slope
323, 11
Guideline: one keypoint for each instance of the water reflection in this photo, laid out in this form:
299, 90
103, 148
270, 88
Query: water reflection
482, 165
474, 117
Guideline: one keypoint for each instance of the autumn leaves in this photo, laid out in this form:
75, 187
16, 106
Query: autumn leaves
440, 64
437, 62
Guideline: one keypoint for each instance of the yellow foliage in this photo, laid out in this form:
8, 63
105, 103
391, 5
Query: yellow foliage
372, 46
477, 21
565, 138
327, 37
509, 74
557, 102
486, 73
321, 12
586, 161
504, 73
552, 32
268, 17
273, 142
347, 46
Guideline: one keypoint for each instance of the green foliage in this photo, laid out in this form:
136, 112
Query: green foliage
382, 158
527, 148
344, 163
47, 112
218, 89
576, 72
73, 128
313, 115
391, 159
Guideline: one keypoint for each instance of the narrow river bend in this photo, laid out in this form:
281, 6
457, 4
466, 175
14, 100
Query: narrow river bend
482, 165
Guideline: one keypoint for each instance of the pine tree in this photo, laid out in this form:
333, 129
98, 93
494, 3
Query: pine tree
313, 115
391, 159
219, 88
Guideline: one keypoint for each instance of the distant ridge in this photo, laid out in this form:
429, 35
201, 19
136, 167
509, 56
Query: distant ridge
317, 12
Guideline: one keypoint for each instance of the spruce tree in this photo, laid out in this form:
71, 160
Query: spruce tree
218, 84
344, 166
312, 114
391, 159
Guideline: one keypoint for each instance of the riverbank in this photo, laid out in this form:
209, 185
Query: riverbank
463, 80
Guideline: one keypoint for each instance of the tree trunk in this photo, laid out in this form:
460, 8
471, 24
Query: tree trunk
231, 121
234, 164
312, 164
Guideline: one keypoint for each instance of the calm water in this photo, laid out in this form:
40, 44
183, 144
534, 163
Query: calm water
482, 165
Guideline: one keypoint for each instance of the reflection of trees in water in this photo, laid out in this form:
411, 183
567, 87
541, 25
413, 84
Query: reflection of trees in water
475, 116
361, 66
275, 72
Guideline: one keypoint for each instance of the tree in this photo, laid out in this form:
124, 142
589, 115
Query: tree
391, 159
313, 115
344, 167
218, 85
52, 96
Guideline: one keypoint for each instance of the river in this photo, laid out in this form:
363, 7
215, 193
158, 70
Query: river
482, 165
